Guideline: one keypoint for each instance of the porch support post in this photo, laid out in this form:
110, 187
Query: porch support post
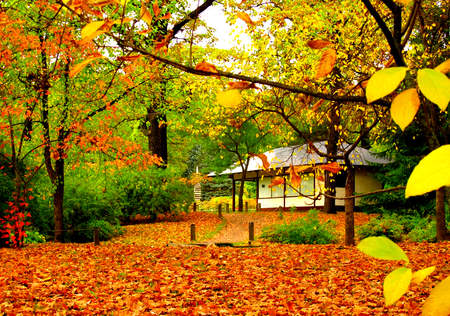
233, 193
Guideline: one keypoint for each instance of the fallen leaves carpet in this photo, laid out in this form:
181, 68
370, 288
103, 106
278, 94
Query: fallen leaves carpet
132, 276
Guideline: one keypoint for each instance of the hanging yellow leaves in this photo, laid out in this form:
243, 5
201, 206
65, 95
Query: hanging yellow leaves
435, 86
444, 67
246, 18
77, 68
432, 173
438, 304
384, 82
420, 275
404, 107
326, 63
396, 284
229, 98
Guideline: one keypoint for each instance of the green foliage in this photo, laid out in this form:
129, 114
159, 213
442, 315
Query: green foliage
152, 192
400, 228
34, 237
218, 187
85, 231
306, 230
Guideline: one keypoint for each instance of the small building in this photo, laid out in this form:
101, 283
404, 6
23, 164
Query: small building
280, 159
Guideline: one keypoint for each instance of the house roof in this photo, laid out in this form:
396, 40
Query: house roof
301, 155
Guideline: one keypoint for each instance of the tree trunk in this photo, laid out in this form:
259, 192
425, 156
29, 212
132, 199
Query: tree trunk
442, 232
350, 208
157, 138
241, 189
329, 206
58, 200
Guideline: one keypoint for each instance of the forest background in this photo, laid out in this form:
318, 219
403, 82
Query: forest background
108, 106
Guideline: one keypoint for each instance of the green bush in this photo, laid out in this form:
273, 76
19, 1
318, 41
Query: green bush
399, 228
34, 237
152, 192
306, 230
85, 231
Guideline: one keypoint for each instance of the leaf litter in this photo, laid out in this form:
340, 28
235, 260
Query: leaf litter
139, 275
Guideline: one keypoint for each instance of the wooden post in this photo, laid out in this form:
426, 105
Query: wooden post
220, 211
195, 207
246, 206
96, 237
251, 231
259, 207
193, 232
227, 208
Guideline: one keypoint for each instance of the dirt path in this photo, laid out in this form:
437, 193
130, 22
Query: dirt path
236, 229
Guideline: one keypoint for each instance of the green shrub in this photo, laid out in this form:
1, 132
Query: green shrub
306, 230
399, 228
85, 231
34, 237
152, 192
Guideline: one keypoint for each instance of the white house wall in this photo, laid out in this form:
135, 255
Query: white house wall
364, 182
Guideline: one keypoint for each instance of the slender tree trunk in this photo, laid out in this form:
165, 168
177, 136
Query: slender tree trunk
241, 189
442, 232
58, 200
350, 207
157, 137
329, 206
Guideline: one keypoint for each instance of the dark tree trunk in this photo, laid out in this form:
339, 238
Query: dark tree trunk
58, 200
442, 232
350, 207
241, 189
329, 206
157, 138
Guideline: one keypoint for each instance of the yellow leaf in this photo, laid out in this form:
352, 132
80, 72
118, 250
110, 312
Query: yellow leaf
384, 82
145, 15
404, 1
404, 107
87, 39
444, 67
438, 304
326, 63
91, 28
300, 169
77, 68
420, 275
396, 284
432, 173
229, 98
435, 86
246, 18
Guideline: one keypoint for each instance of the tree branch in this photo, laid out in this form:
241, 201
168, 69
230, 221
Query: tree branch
395, 46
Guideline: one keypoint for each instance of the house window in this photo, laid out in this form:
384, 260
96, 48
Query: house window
306, 187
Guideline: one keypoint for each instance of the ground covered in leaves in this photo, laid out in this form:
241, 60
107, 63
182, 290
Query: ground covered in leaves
138, 274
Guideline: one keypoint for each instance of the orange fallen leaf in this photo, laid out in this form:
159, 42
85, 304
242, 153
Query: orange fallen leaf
263, 158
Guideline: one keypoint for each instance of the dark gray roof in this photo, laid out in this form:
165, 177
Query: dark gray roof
301, 155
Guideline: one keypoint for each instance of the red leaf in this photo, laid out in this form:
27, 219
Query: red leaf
242, 85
